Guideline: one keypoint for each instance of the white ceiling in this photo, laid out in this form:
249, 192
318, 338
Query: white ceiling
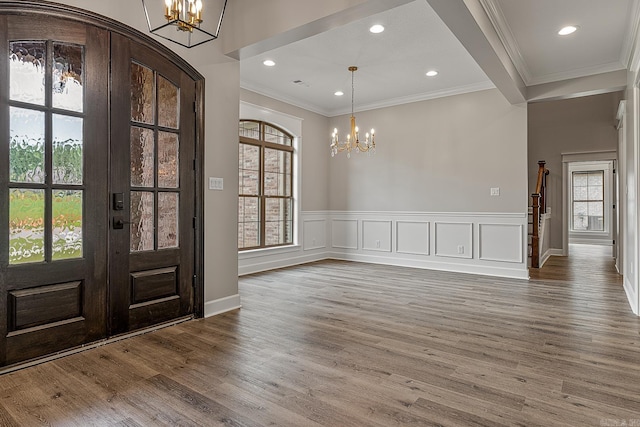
392, 64
529, 31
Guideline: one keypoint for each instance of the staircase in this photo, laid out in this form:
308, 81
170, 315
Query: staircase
536, 210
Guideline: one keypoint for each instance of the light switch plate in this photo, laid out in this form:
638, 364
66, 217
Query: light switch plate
495, 191
216, 183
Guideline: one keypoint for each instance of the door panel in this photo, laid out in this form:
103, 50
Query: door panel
54, 212
152, 239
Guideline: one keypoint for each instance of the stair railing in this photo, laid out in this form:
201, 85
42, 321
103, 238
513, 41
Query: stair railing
538, 208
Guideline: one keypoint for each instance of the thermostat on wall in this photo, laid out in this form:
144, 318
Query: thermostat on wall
216, 183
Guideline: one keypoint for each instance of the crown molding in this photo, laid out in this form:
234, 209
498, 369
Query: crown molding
500, 24
279, 97
459, 90
630, 52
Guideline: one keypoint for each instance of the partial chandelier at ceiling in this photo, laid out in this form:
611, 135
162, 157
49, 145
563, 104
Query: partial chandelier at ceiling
186, 22
353, 138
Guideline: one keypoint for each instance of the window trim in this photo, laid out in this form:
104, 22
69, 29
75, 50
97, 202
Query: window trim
588, 162
262, 197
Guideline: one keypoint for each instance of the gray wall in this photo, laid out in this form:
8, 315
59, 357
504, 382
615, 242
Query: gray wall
441, 155
577, 125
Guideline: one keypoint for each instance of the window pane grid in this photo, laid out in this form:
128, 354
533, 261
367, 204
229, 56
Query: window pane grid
265, 204
46, 153
588, 201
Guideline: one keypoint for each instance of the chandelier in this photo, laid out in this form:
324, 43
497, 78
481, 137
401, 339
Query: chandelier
353, 138
183, 21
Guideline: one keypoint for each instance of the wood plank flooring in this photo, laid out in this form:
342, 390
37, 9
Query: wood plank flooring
350, 344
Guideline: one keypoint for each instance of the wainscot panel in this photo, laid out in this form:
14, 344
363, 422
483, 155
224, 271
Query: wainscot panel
376, 235
480, 243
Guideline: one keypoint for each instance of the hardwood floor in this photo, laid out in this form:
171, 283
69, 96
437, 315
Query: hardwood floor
349, 344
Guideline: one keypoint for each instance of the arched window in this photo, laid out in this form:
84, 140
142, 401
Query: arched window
265, 202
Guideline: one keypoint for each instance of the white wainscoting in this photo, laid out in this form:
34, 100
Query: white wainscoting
500, 242
315, 234
344, 233
376, 235
413, 237
454, 239
491, 243
311, 246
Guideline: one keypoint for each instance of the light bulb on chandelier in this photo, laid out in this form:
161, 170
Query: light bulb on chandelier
353, 138
186, 22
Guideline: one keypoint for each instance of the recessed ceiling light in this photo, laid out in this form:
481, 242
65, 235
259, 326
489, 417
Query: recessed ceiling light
269, 63
432, 73
375, 29
339, 93
570, 29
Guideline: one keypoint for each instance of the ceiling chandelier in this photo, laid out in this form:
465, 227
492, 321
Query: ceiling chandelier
353, 141
183, 21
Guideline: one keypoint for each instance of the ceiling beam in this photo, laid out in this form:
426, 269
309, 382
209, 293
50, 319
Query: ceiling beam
469, 22
596, 84
246, 35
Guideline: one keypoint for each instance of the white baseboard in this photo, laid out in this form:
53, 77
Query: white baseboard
222, 305
631, 296
280, 263
513, 273
549, 253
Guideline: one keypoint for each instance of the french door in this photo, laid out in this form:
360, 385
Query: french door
97, 180
153, 191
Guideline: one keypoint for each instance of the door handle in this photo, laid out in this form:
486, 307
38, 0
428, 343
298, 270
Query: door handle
119, 222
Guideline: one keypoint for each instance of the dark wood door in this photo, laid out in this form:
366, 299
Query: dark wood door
153, 189
97, 186
53, 188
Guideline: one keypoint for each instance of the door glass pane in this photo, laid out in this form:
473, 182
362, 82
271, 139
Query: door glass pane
26, 71
168, 165
580, 193
595, 178
67, 224
142, 157
168, 215
26, 145
26, 226
142, 221
579, 178
167, 104
596, 193
67, 89
142, 94
67, 150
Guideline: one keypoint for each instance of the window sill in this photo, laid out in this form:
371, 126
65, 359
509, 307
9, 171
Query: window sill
257, 253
